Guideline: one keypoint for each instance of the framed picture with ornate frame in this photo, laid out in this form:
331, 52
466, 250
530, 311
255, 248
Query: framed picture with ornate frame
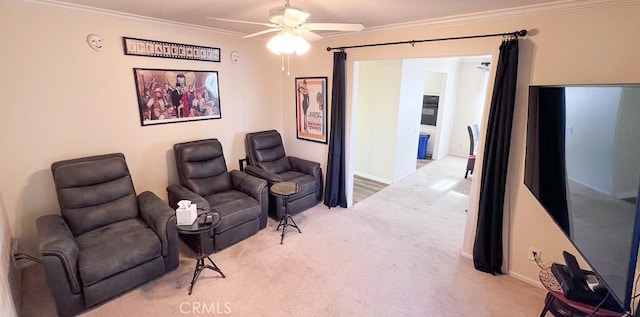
311, 108
169, 96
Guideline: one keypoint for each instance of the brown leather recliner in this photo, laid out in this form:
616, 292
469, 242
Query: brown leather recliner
267, 160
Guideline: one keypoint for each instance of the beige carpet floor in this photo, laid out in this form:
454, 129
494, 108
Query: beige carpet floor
396, 253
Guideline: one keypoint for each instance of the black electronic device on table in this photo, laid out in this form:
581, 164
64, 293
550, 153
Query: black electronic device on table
205, 219
575, 286
572, 266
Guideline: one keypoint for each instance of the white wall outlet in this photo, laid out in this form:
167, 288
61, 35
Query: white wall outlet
530, 255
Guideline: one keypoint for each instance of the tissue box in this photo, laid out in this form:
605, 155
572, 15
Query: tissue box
186, 216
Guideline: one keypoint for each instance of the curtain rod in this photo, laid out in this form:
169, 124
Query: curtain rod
413, 42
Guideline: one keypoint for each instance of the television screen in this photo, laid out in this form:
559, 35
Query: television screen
583, 166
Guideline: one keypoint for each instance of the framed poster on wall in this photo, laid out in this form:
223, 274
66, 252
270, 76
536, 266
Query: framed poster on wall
152, 48
311, 108
169, 96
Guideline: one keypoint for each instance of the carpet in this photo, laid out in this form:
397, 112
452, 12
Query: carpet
396, 253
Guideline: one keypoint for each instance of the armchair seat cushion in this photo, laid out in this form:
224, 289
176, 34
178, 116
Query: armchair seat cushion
234, 207
115, 248
306, 181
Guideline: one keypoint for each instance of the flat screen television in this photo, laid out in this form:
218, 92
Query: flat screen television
583, 165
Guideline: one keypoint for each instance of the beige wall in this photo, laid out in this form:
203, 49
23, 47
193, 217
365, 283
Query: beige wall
377, 122
469, 100
64, 100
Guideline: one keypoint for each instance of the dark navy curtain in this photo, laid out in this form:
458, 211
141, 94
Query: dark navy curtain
335, 194
487, 248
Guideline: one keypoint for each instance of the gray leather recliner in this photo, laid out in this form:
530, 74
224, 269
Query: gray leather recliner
267, 159
240, 199
107, 240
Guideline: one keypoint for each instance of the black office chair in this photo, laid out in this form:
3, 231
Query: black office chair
473, 148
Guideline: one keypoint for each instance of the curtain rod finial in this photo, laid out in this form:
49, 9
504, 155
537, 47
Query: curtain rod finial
329, 49
521, 32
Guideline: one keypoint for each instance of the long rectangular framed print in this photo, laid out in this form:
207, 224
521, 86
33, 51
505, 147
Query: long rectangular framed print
311, 108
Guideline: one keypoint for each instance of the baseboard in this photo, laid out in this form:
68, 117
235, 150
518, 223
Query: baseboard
371, 177
459, 155
526, 279
511, 273
466, 255
14, 277
625, 195
592, 188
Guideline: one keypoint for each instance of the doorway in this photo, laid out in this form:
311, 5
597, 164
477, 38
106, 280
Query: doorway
387, 111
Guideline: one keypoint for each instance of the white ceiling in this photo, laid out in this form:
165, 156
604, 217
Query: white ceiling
372, 13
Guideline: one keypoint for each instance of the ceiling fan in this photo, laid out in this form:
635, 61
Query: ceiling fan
294, 20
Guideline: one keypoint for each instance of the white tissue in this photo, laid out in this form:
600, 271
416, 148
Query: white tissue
184, 204
186, 213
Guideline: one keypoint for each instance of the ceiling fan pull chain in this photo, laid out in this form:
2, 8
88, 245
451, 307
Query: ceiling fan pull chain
282, 62
288, 66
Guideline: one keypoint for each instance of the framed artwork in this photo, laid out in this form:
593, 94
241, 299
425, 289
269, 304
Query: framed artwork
142, 47
311, 108
168, 96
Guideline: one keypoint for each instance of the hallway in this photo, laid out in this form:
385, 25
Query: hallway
452, 166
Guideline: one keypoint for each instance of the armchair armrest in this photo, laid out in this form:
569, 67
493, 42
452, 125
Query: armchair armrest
304, 166
59, 251
242, 162
250, 185
162, 220
254, 187
177, 193
309, 168
260, 173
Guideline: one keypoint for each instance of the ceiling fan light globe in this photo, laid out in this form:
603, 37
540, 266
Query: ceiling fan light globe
287, 43
302, 46
274, 45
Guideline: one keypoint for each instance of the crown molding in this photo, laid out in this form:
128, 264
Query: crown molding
501, 14
117, 14
485, 16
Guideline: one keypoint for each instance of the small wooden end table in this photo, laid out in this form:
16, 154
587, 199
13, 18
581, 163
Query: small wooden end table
285, 190
191, 235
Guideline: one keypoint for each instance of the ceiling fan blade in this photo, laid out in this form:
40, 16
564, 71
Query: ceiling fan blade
309, 36
271, 25
334, 26
260, 33
295, 16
